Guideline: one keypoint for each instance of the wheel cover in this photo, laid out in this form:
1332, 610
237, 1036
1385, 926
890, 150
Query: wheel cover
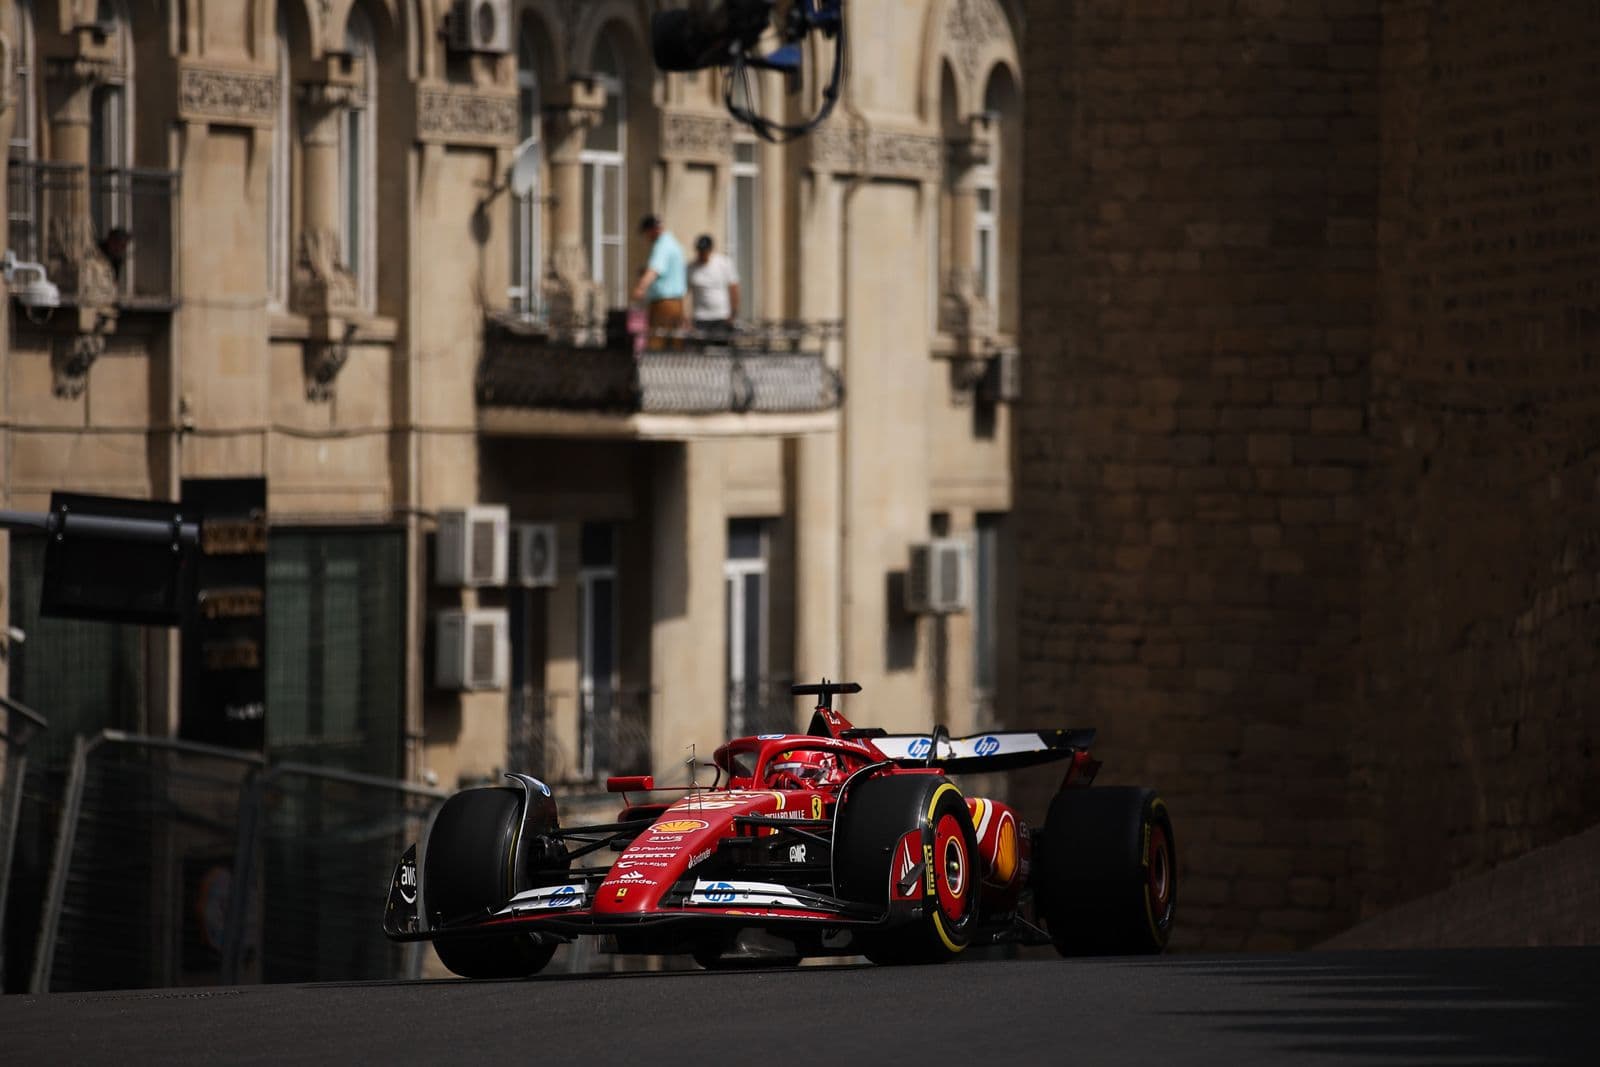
1159, 875
952, 868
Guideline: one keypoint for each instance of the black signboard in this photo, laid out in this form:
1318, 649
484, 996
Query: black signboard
224, 698
114, 559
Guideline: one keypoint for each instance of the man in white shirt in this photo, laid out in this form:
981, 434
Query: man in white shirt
713, 289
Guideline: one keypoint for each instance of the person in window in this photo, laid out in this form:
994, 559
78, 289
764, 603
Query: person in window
713, 290
663, 282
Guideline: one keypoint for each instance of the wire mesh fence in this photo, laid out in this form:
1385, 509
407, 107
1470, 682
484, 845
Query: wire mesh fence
184, 864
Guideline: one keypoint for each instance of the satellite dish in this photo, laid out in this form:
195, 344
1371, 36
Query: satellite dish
525, 171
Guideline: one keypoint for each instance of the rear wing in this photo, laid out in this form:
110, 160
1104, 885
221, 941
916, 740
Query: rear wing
1002, 751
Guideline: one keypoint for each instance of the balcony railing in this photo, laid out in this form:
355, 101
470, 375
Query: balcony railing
613, 734
760, 368
762, 706
102, 233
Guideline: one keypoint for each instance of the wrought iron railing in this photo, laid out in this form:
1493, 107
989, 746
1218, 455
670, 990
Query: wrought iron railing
762, 706
110, 229
614, 732
770, 367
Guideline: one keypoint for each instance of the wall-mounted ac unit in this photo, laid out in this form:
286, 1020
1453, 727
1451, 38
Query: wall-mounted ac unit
533, 554
470, 549
472, 650
480, 26
939, 581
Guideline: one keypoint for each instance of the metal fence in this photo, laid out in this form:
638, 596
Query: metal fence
56, 209
185, 864
18, 723
762, 706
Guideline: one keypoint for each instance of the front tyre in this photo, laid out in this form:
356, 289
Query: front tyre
1108, 879
878, 815
470, 872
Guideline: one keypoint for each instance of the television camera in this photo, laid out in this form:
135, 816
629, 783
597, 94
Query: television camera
746, 35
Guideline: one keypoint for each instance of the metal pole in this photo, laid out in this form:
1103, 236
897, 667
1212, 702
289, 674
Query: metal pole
45, 956
243, 876
16, 768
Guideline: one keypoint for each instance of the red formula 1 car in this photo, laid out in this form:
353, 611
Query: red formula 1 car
839, 841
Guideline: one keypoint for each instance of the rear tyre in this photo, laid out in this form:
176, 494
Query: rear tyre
1108, 879
877, 814
470, 873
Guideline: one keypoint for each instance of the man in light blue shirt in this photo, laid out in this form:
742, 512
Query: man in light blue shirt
664, 280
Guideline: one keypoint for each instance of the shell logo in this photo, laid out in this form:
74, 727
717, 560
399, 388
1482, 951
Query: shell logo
1005, 851
678, 826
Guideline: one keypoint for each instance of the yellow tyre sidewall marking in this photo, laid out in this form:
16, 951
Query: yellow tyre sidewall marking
938, 917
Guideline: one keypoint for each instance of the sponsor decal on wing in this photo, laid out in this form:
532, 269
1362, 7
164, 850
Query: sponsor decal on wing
663, 830
546, 897
724, 893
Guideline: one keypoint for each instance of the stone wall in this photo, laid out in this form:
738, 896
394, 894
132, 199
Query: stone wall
1482, 540
1307, 454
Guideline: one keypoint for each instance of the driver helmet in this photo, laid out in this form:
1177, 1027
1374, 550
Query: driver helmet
810, 766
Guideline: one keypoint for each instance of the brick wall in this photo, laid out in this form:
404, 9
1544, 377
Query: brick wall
1482, 546
1310, 452
1200, 189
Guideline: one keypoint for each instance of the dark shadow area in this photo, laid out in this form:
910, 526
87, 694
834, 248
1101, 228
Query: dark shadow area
1467, 1006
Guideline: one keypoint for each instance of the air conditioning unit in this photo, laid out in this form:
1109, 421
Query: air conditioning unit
480, 26
533, 554
472, 650
470, 549
939, 581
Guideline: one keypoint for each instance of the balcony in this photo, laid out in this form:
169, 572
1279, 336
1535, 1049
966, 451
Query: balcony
106, 236
766, 378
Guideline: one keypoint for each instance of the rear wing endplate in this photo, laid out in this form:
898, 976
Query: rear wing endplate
1004, 750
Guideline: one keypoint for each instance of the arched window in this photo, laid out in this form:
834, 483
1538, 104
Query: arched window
357, 178
278, 224
110, 122
605, 180
527, 209
998, 225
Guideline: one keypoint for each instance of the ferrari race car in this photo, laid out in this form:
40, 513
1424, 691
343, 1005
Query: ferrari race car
840, 841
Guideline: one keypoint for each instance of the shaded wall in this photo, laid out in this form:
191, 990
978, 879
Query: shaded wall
1310, 450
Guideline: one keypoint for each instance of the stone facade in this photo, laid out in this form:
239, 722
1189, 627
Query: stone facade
1307, 438
336, 350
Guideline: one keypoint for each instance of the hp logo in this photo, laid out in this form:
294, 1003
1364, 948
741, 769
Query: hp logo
719, 893
920, 746
562, 897
987, 746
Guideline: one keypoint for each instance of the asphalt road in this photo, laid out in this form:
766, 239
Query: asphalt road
1524, 1006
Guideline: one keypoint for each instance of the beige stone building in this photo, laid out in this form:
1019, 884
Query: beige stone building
378, 251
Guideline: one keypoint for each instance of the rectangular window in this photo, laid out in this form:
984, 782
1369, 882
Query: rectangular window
986, 251
597, 648
744, 228
985, 619
336, 648
604, 199
751, 707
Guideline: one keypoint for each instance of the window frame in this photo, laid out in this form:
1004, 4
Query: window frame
357, 193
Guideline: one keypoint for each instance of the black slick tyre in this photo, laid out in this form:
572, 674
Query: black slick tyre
1108, 878
470, 871
876, 816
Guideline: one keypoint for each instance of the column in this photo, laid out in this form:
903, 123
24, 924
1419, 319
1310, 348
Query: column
322, 282
72, 254
963, 310
567, 123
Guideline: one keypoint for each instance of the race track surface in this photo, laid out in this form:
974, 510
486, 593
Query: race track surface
1492, 1006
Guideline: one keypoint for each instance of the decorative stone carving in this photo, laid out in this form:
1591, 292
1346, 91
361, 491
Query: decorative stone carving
455, 116
235, 97
76, 263
968, 26
73, 354
322, 283
324, 359
877, 153
696, 137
